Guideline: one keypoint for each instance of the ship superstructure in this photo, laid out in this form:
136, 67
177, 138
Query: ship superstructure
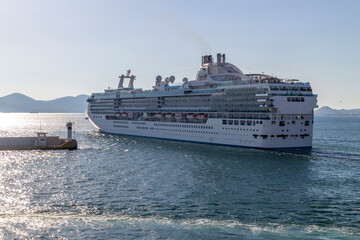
221, 106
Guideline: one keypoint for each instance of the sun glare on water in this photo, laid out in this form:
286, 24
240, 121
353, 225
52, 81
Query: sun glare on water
6, 123
17, 124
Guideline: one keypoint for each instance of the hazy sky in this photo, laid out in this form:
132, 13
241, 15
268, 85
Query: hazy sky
50, 49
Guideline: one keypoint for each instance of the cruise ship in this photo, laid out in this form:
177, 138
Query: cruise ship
222, 105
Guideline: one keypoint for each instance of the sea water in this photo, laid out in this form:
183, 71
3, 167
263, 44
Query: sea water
116, 187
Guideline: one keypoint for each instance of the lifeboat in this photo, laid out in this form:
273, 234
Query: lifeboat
131, 115
123, 114
159, 115
179, 116
190, 116
169, 115
201, 116
118, 115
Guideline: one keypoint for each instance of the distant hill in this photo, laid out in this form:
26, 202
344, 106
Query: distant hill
18, 102
329, 111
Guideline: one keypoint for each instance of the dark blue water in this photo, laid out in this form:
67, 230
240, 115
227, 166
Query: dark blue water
116, 187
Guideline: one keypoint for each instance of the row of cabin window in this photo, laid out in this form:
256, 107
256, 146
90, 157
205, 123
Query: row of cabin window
289, 89
281, 136
178, 130
283, 123
183, 126
139, 123
241, 129
120, 126
240, 122
295, 99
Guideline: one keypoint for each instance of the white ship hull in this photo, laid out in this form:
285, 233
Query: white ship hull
212, 132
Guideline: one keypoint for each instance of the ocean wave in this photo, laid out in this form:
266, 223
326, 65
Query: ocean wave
336, 154
43, 221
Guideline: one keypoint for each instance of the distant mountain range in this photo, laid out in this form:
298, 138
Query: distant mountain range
18, 102
329, 111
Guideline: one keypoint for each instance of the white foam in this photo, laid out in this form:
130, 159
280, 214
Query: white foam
43, 221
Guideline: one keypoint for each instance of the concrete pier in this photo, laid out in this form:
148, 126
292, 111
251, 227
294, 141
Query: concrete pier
41, 141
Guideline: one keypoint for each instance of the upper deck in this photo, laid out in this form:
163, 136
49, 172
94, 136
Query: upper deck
212, 77
281, 87
218, 87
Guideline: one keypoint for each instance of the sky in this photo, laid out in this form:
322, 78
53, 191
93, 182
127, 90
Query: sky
51, 49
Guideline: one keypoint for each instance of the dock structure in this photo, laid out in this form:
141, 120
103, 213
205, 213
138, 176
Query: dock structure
41, 141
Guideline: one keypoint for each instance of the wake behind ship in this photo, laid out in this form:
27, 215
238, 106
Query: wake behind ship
221, 106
